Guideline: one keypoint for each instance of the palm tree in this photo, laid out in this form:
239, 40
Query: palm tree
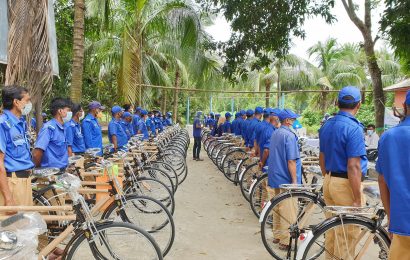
78, 51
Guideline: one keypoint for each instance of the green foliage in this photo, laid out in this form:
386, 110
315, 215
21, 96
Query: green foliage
395, 26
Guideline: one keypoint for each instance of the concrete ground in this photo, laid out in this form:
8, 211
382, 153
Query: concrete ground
212, 219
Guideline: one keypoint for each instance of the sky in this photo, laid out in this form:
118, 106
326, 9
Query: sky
316, 30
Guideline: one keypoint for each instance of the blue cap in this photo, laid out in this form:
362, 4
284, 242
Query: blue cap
212, 113
199, 113
258, 110
95, 104
287, 113
169, 114
275, 112
217, 114
227, 114
237, 114
144, 112
43, 114
138, 109
116, 109
249, 112
267, 111
126, 114
242, 112
349, 94
408, 98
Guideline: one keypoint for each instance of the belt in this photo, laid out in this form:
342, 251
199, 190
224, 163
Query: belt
19, 174
341, 175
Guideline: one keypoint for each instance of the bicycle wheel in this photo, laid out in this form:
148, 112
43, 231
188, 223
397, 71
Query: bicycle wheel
246, 177
259, 195
153, 189
113, 241
284, 216
347, 237
148, 214
169, 170
158, 174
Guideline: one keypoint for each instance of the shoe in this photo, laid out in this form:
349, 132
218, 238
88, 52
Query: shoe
195, 159
284, 247
276, 240
198, 159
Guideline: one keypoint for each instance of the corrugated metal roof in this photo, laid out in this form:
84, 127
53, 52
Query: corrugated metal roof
405, 84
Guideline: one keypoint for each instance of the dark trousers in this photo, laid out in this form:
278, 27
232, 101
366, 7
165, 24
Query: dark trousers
197, 146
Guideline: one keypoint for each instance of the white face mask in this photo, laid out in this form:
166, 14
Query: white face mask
27, 109
68, 117
370, 132
82, 116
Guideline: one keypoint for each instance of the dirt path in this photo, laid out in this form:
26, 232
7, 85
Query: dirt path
213, 220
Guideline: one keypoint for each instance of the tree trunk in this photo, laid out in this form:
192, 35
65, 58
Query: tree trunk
78, 51
278, 86
365, 28
176, 91
164, 101
267, 95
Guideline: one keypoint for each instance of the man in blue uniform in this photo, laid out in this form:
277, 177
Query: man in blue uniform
252, 126
393, 167
260, 129
74, 133
211, 121
158, 122
197, 128
51, 145
264, 139
33, 121
284, 168
116, 133
126, 124
343, 163
15, 157
91, 128
245, 125
235, 123
136, 118
227, 126
168, 119
142, 127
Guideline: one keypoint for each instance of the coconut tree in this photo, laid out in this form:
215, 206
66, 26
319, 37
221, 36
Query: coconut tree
78, 51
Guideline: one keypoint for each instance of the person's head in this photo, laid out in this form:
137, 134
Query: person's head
370, 129
243, 114
228, 116
198, 114
127, 116
95, 108
266, 114
274, 117
78, 112
221, 120
326, 116
349, 99
287, 117
249, 113
116, 112
212, 115
258, 112
138, 110
61, 109
169, 114
128, 108
144, 114
237, 114
16, 99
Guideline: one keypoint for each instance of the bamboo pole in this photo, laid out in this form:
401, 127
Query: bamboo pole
36, 208
49, 218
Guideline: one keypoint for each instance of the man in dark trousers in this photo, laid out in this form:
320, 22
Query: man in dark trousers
197, 127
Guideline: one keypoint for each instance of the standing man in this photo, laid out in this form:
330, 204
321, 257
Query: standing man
264, 139
74, 133
252, 126
158, 123
394, 181
245, 126
235, 123
197, 128
116, 133
343, 163
151, 124
126, 124
227, 126
91, 128
284, 167
260, 130
168, 119
15, 157
136, 118
142, 127
51, 146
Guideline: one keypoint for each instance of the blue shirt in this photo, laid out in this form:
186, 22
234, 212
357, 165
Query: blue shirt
196, 128
158, 124
135, 121
128, 128
14, 143
245, 132
92, 133
238, 127
150, 125
259, 130
227, 127
142, 127
115, 128
52, 141
341, 138
250, 130
74, 136
233, 125
33, 123
168, 121
283, 148
394, 164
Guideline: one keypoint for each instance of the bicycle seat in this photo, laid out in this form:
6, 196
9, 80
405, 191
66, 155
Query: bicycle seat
74, 159
347, 210
45, 172
93, 151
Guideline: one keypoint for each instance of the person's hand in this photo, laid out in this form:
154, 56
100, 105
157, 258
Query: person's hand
357, 203
10, 202
260, 164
